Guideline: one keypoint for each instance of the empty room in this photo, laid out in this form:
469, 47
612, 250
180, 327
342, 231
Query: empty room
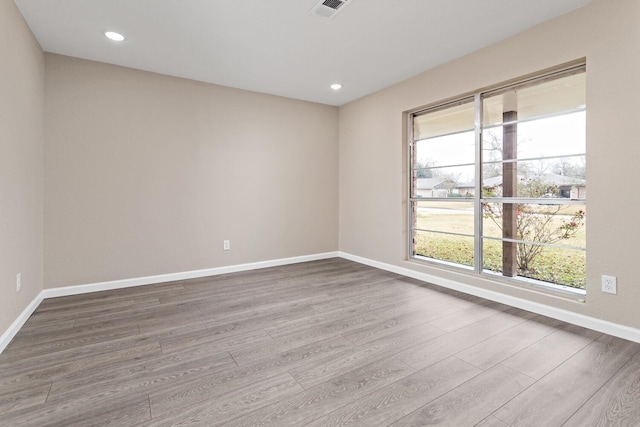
319, 213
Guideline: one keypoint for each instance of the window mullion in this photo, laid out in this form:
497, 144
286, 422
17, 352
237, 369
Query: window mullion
477, 198
411, 214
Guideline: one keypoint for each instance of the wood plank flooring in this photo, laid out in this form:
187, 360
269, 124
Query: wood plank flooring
323, 343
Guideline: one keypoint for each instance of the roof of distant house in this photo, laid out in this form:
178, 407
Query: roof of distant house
430, 183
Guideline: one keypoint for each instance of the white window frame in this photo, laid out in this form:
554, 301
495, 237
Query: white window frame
478, 197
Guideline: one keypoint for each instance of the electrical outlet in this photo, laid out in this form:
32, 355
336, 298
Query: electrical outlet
609, 284
226, 245
18, 281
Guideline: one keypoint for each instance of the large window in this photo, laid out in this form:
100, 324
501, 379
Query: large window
498, 182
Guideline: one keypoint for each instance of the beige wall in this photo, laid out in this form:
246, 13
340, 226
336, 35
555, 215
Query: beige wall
373, 170
147, 174
21, 187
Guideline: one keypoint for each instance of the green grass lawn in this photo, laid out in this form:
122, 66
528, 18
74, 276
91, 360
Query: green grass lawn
555, 265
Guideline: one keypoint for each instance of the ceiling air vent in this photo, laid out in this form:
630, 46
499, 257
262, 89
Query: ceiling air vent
329, 8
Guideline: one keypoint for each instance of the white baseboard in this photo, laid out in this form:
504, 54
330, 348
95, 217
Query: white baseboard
8, 335
11, 332
185, 275
589, 322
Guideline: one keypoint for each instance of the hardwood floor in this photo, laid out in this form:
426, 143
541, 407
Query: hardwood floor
324, 343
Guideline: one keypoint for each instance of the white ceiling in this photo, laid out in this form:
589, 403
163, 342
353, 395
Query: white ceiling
277, 46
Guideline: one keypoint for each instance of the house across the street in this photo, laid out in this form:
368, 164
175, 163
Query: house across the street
566, 186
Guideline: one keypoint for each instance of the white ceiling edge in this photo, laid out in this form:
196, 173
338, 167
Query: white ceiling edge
279, 47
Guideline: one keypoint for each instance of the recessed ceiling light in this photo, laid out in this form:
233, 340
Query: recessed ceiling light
336, 86
114, 36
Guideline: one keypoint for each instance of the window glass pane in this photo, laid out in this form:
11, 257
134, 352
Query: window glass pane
556, 266
444, 247
451, 182
447, 150
552, 136
550, 97
448, 217
560, 230
563, 225
445, 121
552, 178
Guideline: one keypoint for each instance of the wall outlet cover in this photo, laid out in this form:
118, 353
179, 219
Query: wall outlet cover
609, 284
